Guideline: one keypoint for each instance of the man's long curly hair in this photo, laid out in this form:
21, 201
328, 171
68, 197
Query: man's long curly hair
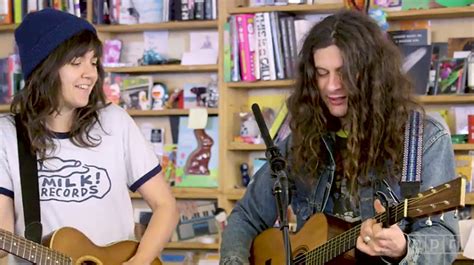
379, 99
40, 97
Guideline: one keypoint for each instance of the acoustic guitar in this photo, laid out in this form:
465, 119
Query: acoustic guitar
329, 240
68, 246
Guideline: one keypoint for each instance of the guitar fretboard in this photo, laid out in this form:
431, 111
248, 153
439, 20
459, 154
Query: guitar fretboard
31, 251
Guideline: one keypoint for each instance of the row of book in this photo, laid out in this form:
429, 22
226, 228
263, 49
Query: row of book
438, 67
152, 11
286, 2
13, 11
262, 46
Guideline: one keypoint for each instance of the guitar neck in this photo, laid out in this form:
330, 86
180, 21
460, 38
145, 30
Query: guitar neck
346, 241
30, 251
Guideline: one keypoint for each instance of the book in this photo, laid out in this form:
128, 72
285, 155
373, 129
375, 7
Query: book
263, 52
187, 147
135, 92
277, 45
196, 218
410, 37
246, 37
417, 64
234, 47
194, 95
6, 12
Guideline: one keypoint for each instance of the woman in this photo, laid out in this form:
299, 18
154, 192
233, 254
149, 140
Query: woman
90, 153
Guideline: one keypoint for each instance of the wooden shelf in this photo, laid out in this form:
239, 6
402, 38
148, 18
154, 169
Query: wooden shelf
4, 107
170, 68
463, 147
235, 194
446, 99
450, 12
188, 193
167, 112
469, 200
192, 245
236, 146
172, 25
434, 13
262, 84
8, 27
322, 8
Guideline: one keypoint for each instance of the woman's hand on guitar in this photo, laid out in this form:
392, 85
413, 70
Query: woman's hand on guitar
377, 241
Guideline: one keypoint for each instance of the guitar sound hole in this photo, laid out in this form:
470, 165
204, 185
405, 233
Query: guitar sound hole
88, 262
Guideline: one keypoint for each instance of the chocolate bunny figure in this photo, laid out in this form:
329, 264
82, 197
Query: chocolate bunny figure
198, 160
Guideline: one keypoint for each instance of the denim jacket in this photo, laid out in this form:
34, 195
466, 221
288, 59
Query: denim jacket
426, 244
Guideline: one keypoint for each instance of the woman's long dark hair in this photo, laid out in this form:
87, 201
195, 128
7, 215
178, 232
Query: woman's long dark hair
40, 96
379, 98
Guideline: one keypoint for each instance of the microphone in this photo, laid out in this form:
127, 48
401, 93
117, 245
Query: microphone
277, 163
280, 186
262, 126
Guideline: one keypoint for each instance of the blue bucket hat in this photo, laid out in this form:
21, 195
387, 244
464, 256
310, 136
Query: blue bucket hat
43, 31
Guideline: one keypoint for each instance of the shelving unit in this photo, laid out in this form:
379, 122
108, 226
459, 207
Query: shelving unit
172, 25
319, 8
231, 154
166, 112
192, 245
188, 193
173, 68
4, 108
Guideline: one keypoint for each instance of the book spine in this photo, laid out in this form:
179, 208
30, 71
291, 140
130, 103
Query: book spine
271, 53
18, 12
293, 47
285, 47
208, 9
280, 71
227, 53
184, 10
246, 47
234, 44
262, 47
199, 10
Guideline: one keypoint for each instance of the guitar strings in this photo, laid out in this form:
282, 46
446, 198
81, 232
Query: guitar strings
10, 238
315, 254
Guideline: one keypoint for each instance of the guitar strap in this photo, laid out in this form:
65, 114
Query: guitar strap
29, 184
412, 155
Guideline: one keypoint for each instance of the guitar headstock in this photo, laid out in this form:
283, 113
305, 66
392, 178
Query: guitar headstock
445, 197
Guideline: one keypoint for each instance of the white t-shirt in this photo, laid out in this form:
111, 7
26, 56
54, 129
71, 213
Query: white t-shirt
84, 188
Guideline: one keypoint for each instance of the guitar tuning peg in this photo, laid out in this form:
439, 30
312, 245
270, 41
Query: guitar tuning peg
456, 213
428, 221
442, 217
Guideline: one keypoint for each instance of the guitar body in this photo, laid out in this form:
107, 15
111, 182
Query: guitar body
77, 246
268, 248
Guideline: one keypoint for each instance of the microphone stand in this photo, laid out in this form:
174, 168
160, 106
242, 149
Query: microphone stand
280, 187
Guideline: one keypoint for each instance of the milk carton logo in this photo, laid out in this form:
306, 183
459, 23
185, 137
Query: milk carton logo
71, 181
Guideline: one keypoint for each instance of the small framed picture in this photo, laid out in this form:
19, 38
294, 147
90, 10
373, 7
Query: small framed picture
451, 76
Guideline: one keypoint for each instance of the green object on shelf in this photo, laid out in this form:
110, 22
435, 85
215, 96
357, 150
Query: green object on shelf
415, 4
453, 3
459, 138
425, 4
